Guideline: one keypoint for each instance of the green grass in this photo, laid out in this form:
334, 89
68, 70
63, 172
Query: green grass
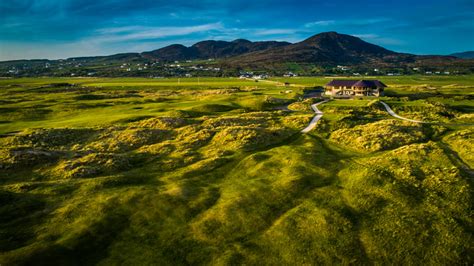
390, 80
119, 83
149, 171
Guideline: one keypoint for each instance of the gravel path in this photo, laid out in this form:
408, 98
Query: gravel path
315, 119
392, 113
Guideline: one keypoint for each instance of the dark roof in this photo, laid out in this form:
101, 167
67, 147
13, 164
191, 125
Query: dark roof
355, 83
342, 83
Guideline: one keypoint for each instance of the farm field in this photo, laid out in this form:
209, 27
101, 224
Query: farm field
216, 171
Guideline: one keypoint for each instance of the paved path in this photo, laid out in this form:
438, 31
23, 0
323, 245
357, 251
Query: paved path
315, 119
392, 113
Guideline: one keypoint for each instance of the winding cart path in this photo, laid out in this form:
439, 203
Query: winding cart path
316, 118
392, 113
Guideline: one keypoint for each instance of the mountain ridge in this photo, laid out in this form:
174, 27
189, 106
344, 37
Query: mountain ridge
464, 55
325, 50
210, 49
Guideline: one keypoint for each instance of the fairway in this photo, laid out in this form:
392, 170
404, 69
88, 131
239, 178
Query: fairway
134, 82
216, 171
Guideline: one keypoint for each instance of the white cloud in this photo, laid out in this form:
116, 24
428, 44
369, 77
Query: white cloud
366, 36
112, 30
345, 22
108, 41
372, 37
320, 23
135, 33
260, 32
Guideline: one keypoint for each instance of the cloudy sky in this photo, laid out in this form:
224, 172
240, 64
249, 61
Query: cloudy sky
66, 28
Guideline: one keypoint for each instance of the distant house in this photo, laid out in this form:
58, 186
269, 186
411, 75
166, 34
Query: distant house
350, 88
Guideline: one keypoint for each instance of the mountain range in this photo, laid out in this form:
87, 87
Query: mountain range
211, 49
464, 55
327, 49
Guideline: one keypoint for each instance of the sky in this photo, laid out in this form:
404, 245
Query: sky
55, 29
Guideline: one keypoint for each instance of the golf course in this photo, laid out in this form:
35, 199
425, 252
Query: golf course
135, 171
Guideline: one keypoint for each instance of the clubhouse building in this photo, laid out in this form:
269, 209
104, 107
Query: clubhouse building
352, 88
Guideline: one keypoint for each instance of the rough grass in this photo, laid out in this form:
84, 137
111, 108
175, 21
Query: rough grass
461, 143
381, 135
216, 172
408, 196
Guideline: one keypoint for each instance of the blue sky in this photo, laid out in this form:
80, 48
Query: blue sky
66, 28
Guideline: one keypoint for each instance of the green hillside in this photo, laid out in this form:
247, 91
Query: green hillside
204, 171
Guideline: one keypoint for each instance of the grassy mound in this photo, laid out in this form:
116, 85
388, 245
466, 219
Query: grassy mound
296, 122
257, 191
162, 123
194, 136
462, 143
427, 110
126, 139
17, 158
213, 108
382, 135
261, 103
128, 180
410, 196
247, 119
304, 106
91, 165
51, 138
248, 138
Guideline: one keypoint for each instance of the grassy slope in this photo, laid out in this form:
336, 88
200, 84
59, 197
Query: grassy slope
226, 180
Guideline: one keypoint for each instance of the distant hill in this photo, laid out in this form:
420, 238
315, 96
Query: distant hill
464, 55
324, 50
332, 48
210, 49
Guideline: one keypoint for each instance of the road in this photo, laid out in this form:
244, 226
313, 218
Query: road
315, 119
392, 113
